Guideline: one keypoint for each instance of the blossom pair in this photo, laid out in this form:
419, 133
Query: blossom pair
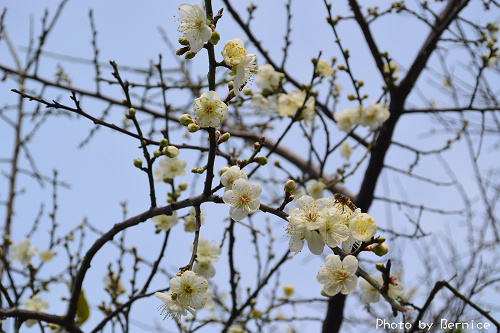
206, 253
243, 65
372, 116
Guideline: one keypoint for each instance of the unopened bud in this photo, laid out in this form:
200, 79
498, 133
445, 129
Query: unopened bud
261, 160
351, 97
131, 112
138, 163
163, 142
247, 91
157, 153
183, 41
181, 51
225, 137
289, 186
183, 186
230, 85
380, 249
288, 290
193, 128
171, 151
380, 266
215, 38
189, 55
185, 119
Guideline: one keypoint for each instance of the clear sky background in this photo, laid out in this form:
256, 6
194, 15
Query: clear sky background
101, 175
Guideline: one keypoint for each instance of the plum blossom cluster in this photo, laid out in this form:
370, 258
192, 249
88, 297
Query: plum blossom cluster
243, 65
327, 221
206, 254
188, 293
372, 116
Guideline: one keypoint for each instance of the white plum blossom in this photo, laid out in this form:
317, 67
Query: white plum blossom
235, 329
374, 115
348, 118
46, 255
363, 227
299, 233
165, 222
207, 251
171, 308
168, 168
204, 268
243, 72
371, 295
323, 68
267, 78
345, 150
193, 25
335, 230
35, 303
234, 52
260, 103
190, 289
315, 188
190, 220
338, 276
209, 109
289, 104
243, 199
227, 178
23, 252
308, 212
350, 244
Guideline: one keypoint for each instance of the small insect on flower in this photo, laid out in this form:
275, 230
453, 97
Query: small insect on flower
344, 200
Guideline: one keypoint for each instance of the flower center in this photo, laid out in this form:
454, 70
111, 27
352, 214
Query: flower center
340, 275
209, 109
188, 289
244, 200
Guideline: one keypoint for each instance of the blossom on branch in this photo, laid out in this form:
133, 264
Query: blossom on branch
374, 115
171, 308
193, 25
289, 104
209, 109
168, 168
23, 251
323, 68
267, 78
190, 289
338, 276
243, 72
227, 178
165, 222
234, 52
243, 199
34, 303
363, 227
